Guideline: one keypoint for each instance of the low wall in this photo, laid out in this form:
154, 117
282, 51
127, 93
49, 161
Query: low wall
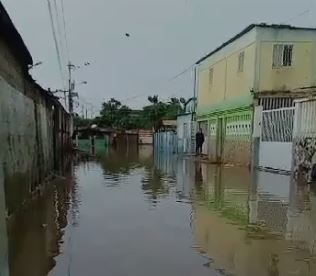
212, 149
237, 150
228, 137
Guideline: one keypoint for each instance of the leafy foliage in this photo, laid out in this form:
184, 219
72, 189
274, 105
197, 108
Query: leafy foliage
114, 114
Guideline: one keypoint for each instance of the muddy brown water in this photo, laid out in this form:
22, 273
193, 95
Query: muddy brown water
130, 213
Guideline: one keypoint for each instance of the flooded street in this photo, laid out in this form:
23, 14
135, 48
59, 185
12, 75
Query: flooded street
133, 213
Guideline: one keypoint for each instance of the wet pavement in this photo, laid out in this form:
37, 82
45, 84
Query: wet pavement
132, 213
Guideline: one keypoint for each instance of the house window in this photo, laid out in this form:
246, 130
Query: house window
282, 55
210, 78
241, 59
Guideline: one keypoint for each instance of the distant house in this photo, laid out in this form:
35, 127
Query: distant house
145, 137
167, 125
186, 127
246, 90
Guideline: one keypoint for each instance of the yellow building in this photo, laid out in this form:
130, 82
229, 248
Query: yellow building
264, 65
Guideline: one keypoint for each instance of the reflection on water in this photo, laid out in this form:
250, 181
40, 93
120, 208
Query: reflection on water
35, 237
126, 212
260, 224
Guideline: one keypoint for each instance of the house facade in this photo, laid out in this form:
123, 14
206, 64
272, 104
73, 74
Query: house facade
246, 90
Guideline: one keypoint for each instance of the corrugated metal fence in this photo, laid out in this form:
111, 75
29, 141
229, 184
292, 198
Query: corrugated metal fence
166, 141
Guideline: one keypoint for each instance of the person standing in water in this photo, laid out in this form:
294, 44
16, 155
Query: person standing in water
199, 139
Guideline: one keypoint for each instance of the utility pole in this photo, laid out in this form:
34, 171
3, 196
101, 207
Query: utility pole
70, 99
71, 94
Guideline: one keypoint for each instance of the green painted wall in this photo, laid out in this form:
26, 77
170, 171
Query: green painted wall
228, 106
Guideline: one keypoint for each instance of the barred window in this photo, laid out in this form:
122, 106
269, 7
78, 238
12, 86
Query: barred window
282, 55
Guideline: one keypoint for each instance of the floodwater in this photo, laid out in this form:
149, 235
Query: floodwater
131, 213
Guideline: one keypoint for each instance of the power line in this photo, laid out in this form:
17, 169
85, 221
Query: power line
59, 32
182, 72
55, 40
165, 82
296, 16
307, 10
65, 28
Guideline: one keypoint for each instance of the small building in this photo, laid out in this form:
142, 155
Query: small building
246, 90
145, 137
167, 125
186, 128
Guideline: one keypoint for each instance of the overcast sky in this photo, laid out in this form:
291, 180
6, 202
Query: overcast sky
167, 36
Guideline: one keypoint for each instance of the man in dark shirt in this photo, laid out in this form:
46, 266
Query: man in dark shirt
199, 138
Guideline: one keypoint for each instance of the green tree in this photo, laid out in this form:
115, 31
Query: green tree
81, 122
114, 114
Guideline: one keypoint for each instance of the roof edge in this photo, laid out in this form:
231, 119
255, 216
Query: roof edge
13, 37
247, 30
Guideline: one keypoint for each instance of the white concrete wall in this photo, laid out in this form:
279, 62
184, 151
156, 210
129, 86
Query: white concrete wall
276, 155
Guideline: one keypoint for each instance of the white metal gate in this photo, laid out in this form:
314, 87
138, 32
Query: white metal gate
275, 149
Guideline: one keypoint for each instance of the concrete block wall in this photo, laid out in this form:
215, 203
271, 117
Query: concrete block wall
31, 138
237, 150
229, 138
212, 148
18, 139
